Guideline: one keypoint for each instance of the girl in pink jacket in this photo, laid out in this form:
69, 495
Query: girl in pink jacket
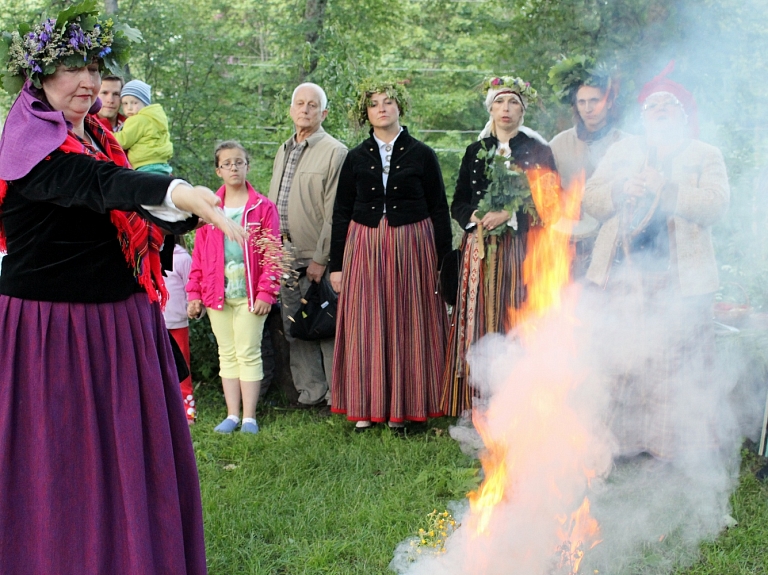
237, 284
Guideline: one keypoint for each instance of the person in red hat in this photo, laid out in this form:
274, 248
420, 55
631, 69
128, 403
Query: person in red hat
657, 196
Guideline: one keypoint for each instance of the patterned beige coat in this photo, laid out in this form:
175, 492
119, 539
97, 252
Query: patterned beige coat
698, 173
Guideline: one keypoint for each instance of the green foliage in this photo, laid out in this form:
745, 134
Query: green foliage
568, 74
223, 70
84, 8
508, 189
74, 38
371, 86
204, 354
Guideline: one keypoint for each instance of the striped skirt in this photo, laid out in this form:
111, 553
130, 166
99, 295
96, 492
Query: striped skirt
391, 325
490, 292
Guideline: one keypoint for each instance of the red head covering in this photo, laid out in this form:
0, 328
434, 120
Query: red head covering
663, 84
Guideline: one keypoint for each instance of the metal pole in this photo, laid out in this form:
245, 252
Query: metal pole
762, 447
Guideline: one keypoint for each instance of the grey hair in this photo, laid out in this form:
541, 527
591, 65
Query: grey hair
318, 89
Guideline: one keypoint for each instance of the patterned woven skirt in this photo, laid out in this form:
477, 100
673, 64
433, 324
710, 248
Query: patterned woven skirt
491, 290
97, 472
391, 325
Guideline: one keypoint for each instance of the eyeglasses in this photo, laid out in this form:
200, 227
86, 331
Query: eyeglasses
663, 104
239, 164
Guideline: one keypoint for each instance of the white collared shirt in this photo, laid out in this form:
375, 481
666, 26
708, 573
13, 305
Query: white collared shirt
385, 150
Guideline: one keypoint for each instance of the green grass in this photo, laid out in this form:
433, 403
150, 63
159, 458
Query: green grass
742, 550
309, 496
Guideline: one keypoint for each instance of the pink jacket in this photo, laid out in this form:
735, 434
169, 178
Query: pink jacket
206, 278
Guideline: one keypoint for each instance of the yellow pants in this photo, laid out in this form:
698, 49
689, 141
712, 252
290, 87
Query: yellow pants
238, 335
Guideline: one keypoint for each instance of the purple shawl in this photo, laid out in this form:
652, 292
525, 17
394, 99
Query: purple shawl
32, 131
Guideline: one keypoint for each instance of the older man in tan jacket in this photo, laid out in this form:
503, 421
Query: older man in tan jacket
303, 187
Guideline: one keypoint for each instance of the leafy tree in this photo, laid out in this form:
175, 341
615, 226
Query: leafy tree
226, 70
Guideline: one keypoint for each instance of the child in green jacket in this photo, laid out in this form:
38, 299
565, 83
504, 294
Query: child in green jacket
145, 135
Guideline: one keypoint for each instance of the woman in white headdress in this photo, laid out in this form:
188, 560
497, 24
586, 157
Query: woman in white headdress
490, 277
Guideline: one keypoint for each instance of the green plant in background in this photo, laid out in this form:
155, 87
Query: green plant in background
203, 351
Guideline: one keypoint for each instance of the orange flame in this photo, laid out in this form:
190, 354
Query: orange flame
546, 272
547, 266
581, 532
491, 492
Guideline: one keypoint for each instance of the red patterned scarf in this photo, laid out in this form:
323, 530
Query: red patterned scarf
140, 240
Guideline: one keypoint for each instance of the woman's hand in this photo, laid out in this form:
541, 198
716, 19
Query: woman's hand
493, 220
194, 308
260, 307
203, 202
336, 281
474, 219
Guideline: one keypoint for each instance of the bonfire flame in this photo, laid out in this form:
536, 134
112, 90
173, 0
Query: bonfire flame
492, 490
547, 266
581, 532
546, 271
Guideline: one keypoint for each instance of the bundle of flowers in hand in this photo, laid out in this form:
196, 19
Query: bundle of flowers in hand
271, 249
508, 189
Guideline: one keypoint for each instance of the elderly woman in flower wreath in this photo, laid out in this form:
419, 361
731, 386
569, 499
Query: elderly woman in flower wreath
391, 229
98, 472
492, 203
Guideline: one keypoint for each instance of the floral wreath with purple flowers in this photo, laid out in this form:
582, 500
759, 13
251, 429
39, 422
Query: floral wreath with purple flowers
517, 85
74, 38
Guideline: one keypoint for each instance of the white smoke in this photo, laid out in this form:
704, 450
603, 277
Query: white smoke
653, 513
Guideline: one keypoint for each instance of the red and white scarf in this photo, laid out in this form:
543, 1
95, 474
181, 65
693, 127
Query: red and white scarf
139, 239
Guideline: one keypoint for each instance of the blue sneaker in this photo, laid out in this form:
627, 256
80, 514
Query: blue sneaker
249, 427
226, 426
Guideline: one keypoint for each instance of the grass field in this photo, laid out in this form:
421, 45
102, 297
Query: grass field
308, 496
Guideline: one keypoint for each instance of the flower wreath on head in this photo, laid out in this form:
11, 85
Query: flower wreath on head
514, 84
369, 87
74, 38
570, 74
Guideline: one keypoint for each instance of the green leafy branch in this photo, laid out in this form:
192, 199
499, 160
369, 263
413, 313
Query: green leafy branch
508, 189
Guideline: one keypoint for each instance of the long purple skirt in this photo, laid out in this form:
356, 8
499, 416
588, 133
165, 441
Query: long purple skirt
97, 471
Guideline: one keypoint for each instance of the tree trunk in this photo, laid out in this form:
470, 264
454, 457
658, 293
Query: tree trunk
313, 18
110, 6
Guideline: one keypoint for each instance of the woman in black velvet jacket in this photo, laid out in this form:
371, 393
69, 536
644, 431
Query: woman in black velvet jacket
390, 229
491, 283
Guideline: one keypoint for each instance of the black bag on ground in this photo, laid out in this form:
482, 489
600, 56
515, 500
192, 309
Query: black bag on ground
316, 318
